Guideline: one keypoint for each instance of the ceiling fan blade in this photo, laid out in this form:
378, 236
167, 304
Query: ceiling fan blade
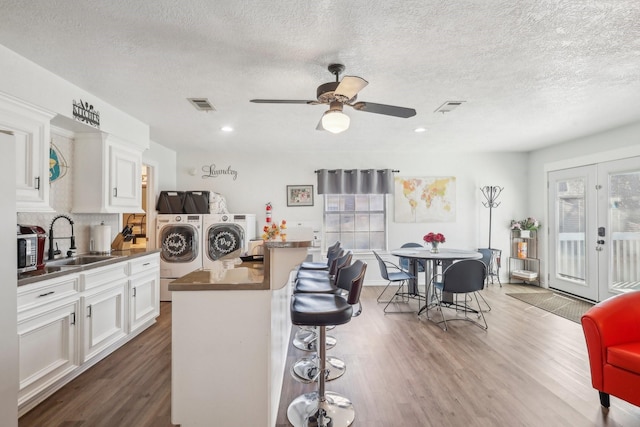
388, 110
349, 87
282, 101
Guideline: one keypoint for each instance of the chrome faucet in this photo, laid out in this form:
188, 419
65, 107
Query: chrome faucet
52, 253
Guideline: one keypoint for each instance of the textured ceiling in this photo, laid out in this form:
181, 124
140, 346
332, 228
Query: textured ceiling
532, 73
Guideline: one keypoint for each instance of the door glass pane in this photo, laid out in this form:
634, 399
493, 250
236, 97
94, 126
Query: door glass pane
624, 225
570, 220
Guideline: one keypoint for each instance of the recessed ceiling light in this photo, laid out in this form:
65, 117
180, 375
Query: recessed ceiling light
420, 130
226, 129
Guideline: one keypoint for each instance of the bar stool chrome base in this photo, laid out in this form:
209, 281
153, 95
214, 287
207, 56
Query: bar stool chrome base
306, 370
308, 342
303, 333
307, 410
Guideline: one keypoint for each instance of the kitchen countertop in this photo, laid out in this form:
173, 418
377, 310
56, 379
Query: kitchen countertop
247, 276
118, 256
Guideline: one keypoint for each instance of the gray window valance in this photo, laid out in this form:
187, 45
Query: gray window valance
355, 181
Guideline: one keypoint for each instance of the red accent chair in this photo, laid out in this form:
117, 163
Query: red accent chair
612, 331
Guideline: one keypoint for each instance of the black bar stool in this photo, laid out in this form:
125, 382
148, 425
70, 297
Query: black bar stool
318, 281
324, 408
306, 369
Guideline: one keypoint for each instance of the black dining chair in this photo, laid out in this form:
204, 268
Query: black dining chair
463, 277
393, 274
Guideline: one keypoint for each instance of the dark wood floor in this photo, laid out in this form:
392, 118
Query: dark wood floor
529, 369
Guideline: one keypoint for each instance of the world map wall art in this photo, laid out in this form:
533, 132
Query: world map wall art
425, 199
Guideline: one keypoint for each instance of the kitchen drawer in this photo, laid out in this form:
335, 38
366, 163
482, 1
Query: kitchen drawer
96, 277
36, 294
145, 263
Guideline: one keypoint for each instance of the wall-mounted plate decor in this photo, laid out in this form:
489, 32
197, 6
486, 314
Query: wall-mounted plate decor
58, 166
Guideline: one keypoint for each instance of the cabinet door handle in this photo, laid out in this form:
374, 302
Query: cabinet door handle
88, 311
37, 183
73, 318
115, 191
134, 292
145, 264
46, 293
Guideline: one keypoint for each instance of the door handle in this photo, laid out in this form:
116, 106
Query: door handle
600, 242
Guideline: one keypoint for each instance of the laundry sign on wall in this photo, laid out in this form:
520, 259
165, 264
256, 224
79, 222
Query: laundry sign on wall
210, 171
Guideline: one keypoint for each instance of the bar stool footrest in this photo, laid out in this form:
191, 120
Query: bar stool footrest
307, 410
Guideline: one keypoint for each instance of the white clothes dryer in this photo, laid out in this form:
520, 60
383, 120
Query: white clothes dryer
226, 235
179, 238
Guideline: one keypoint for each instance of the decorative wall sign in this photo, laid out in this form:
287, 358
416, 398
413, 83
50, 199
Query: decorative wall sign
299, 195
210, 171
84, 112
425, 199
58, 165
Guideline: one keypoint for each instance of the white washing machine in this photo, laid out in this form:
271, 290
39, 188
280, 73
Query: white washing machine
179, 238
226, 235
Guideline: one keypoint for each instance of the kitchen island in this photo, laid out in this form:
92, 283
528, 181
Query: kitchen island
230, 334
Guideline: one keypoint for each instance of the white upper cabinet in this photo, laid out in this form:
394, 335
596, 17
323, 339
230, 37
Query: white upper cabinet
28, 127
107, 176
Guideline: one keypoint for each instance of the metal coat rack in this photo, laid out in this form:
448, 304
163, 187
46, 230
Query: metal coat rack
491, 194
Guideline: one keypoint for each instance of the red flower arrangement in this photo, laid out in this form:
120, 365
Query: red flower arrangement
434, 237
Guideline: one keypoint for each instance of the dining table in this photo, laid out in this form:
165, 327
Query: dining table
431, 260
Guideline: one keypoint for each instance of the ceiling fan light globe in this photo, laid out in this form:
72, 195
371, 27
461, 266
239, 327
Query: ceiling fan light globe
335, 121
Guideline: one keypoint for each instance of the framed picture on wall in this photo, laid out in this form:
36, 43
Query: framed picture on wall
299, 195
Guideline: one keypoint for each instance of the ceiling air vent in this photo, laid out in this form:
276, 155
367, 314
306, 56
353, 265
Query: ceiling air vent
448, 106
201, 104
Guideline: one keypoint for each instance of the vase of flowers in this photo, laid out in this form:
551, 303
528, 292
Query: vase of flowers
525, 226
434, 239
273, 231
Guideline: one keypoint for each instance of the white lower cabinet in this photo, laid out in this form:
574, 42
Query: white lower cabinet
144, 291
48, 340
144, 304
104, 318
68, 324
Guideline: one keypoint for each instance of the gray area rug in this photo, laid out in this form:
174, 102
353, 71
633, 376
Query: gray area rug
561, 305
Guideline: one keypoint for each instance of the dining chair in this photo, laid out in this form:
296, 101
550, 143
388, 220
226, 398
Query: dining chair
491, 258
393, 274
463, 277
404, 262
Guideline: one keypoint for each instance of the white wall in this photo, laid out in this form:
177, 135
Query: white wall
166, 160
30, 82
263, 178
8, 291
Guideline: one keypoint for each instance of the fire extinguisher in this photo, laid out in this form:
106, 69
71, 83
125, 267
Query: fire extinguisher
268, 213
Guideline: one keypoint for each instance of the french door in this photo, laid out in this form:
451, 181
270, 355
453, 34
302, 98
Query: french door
594, 229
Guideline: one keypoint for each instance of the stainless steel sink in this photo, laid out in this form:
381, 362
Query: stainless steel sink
55, 268
79, 260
